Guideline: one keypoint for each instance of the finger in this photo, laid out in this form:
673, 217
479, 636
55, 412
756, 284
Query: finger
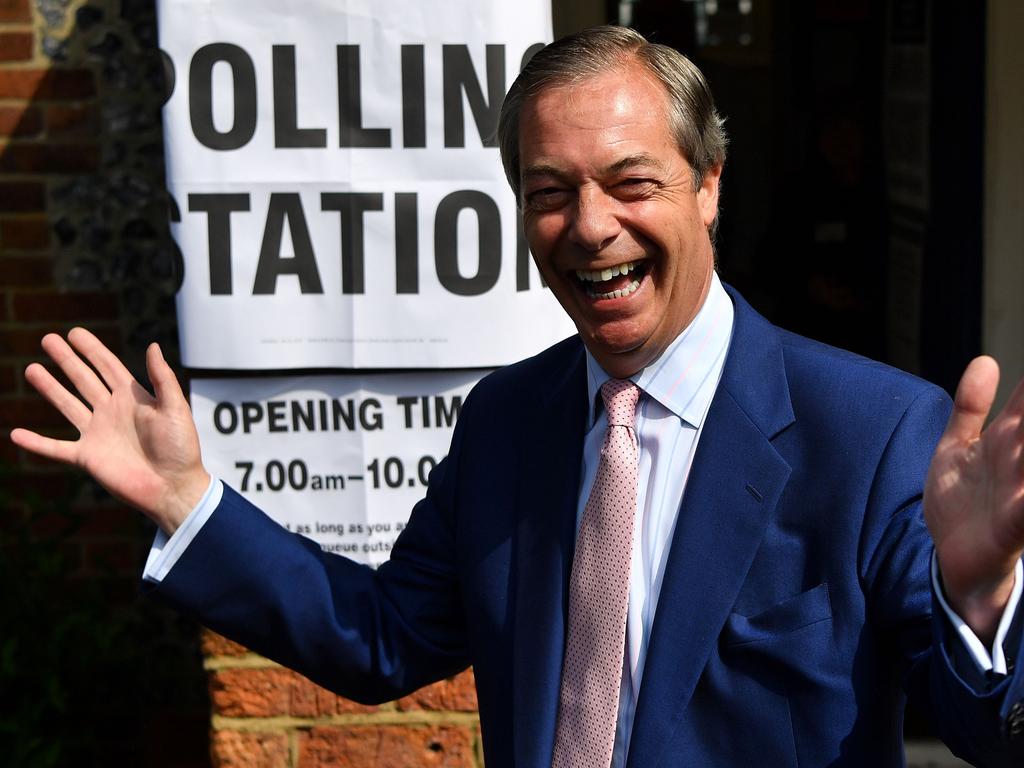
106, 362
65, 451
58, 396
81, 375
165, 383
974, 396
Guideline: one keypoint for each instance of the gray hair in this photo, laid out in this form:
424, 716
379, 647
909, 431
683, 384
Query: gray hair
696, 125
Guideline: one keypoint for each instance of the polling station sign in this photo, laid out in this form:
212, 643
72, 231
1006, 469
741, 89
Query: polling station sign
339, 459
336, 189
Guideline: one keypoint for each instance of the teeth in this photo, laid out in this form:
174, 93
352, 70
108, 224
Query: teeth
603, 275
615, 294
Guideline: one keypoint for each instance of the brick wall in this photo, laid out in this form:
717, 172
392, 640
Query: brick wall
266, 716
97, 676
64, 237
92, 675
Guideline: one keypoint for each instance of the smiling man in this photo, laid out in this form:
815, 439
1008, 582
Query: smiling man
615, 216
683, 537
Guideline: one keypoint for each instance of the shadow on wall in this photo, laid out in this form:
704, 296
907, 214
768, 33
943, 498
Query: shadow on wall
90, 674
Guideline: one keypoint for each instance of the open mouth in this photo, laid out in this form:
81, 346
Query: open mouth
613, 282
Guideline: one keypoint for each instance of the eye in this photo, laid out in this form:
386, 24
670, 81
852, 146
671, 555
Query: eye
635, 188
547, 198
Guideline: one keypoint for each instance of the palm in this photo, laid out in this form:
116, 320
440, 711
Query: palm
974, 496
143, 449
128, 446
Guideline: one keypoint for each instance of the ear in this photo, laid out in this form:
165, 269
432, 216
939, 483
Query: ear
707, 195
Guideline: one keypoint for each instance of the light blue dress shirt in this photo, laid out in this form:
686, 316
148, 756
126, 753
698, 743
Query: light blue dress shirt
678, 389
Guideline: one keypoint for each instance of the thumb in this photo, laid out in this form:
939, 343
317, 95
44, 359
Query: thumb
974, 397
165, 383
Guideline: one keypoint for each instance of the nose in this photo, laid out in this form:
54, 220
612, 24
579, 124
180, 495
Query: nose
595, 223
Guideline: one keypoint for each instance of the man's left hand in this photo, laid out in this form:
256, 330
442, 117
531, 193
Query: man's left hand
974, 499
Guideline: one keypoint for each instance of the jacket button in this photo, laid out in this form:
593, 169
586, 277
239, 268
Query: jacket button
1015, 722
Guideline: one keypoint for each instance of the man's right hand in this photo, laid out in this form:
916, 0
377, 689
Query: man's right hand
143, 449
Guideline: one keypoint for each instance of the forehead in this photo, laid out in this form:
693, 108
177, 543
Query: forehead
622, 111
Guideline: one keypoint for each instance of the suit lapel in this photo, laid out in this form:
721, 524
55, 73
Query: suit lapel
734, 483
547, 499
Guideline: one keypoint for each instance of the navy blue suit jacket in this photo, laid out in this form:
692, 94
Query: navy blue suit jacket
796, 607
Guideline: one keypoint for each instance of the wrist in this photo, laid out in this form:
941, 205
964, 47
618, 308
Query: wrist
180, 499
980, 606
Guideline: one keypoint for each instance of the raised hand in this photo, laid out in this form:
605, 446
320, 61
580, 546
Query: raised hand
974, 499
143, 449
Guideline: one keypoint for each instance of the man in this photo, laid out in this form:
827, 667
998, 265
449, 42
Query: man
772, 600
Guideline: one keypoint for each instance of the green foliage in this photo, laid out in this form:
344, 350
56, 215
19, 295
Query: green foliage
90, 672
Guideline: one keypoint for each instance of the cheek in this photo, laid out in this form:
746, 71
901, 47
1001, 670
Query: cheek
542, 235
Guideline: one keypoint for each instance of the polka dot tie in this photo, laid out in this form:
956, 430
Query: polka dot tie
588, 704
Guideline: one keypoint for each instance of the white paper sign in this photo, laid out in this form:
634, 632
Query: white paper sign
340, 459
339, 201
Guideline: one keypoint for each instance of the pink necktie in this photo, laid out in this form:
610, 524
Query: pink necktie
588, 704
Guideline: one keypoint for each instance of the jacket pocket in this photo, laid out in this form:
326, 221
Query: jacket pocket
792, 614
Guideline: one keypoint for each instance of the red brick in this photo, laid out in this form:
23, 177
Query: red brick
20, 120
25, 272
30, 412
234, 749
456, 694
273, 691
428, 746
55, 84
28, 234
16, 46
214, 644
15, 10
251, 692
64, 307
306, 699
49, 158
310, 700
20, 342
22, 196
72, 121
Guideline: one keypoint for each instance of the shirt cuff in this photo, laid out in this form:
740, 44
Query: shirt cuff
994, 661
166, 550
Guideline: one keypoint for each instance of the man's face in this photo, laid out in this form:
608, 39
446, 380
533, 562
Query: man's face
614, 222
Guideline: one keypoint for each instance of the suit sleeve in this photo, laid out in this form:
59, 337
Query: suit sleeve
970, 712
370, 635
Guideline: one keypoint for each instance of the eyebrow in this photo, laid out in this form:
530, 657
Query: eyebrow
634, 161
543, 169
637, 160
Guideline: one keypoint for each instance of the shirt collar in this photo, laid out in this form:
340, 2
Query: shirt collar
685, 376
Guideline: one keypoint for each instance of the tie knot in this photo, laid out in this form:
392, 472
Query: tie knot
620, 397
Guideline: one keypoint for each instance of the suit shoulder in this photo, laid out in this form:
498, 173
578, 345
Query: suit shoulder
540, 371
826, 374
508, 399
